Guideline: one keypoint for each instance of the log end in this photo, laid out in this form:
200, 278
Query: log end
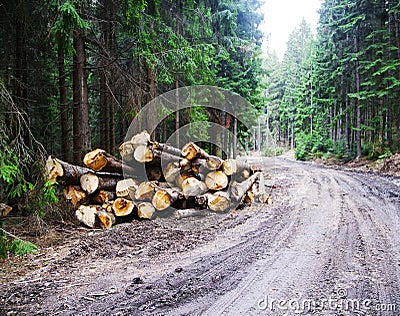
123, 207
105, 219
96, 159
146, 210
143, 154
89, 182
216, 180
161, 200
53, 169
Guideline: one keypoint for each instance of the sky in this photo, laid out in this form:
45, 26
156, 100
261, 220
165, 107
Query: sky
281, 17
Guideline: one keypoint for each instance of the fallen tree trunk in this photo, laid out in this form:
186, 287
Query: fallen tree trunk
100, 160
238, 190
191, 151
91, 182
165, 197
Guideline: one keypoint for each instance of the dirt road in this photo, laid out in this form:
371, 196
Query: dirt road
329, 245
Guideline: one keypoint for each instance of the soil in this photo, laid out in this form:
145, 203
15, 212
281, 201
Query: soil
329, 236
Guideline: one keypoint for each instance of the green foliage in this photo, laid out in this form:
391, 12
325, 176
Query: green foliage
10, 244
274, 151
309, 146
67, 20
375, 150
44, 196
12, 174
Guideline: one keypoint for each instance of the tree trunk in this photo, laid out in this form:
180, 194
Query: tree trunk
64, 107
81, 127
358, 106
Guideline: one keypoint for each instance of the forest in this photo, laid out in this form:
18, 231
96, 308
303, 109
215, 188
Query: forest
74, 73
336, 93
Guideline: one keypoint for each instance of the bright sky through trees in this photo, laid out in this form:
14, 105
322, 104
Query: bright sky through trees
282, 16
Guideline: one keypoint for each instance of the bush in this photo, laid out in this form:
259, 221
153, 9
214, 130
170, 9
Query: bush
274, 151
309, 146
10, 244
375, 150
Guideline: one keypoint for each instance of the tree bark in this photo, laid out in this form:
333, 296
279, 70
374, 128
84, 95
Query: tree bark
81, 127
91, 182
358, 106
64, 107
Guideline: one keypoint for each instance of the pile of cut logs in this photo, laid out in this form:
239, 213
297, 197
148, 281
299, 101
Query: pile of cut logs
152, 178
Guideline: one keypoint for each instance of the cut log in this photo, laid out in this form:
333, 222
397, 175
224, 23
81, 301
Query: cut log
249, 197
219, 201
258, 188
182, 177
57, 169
238, 190
145, 191
123, 207
146, 210
191, 151
216, 180
126, 150
147, 154
200, 165
143, 138
143, 153
164, 198
105, 219
100, 160
166, 148
4, 209
91, 182
86, 214
171, 172
103, 196
190, 212
193, 187
235, 166
126, 188
75, 195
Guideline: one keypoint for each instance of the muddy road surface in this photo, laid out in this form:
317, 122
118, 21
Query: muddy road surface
328, 245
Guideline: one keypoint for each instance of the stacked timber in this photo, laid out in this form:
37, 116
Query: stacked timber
151, 178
